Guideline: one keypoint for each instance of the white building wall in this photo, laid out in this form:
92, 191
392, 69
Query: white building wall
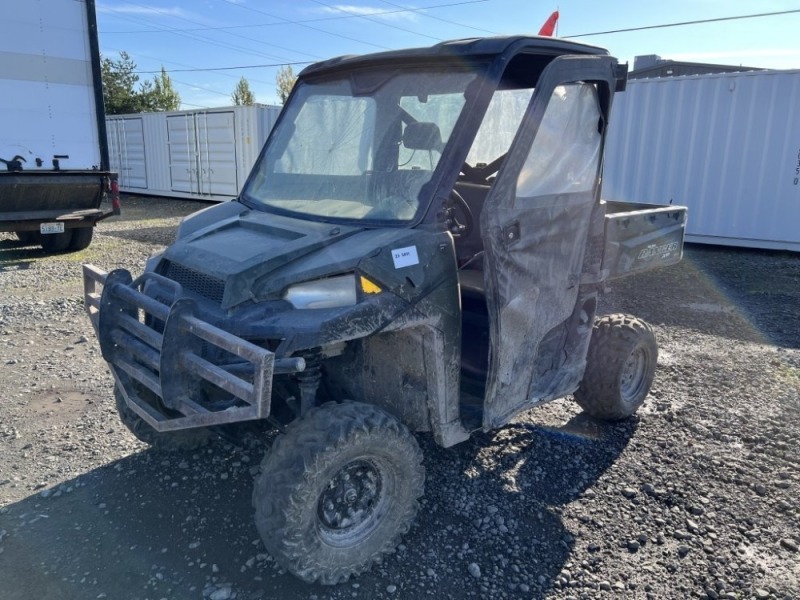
725, 145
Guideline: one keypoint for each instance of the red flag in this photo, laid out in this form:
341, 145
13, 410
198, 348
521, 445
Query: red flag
550, 25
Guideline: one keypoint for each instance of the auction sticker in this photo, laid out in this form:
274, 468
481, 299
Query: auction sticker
405, 257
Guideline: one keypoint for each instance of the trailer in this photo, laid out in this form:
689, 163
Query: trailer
54, 171
726, 145
194, 154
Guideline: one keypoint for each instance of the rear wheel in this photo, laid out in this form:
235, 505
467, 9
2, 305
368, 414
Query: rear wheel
620, 367
27, 237
170, 441
337, 491
81, 238
56, 242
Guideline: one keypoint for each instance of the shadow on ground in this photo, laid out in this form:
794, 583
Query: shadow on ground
156, 525
741, 294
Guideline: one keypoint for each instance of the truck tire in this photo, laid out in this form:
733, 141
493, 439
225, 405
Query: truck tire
56, 242
337, 491
172, 441
620, 367
81, 238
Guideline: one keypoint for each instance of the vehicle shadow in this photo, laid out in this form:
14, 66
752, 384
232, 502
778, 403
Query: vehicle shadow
527, 474
17, 255
180, 525
742, 294
160, 234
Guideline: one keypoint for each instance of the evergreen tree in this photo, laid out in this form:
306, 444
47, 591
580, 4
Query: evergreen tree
242, 96
164, 96
119, 79
121, 96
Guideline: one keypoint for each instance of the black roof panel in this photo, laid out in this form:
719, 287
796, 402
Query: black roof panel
465, 49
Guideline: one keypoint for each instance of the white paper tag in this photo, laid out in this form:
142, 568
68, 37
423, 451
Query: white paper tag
405, 257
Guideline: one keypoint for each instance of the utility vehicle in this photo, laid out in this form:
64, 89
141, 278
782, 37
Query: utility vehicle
419, 248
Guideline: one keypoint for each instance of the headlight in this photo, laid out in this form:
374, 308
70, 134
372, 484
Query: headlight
323, 293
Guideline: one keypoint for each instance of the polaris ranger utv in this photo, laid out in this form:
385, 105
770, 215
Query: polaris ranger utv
419, 248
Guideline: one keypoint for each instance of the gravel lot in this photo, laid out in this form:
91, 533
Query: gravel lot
695, 497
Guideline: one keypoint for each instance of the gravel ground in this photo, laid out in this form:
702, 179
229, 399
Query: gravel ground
695, 497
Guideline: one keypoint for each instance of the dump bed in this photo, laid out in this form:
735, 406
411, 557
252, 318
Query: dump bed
640, 237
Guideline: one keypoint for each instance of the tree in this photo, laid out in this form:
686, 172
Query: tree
163, 95
285, 80
121, 96
242, 96
119, 79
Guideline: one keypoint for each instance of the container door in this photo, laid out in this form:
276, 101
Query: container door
217, 154
132, 171
534, 226
183, 163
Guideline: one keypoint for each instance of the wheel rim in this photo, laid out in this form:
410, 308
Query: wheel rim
351, 505
634, 375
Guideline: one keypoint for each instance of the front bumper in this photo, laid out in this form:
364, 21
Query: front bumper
157, 350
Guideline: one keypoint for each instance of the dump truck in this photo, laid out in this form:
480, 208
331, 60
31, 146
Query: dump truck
419, 250
54, 170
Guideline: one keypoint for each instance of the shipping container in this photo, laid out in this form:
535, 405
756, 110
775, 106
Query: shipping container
725, 145
201, 154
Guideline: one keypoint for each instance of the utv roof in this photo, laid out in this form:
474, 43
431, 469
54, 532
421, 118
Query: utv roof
466, 49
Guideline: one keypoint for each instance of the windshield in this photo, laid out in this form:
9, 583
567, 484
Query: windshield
359, 148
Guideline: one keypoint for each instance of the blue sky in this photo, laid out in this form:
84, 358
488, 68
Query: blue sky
196, 34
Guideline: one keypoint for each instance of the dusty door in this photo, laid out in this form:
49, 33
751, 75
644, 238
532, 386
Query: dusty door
534, 227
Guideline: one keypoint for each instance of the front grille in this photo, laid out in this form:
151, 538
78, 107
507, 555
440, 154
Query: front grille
196, 282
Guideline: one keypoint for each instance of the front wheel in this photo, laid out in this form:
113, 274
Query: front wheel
620, 367
337, 491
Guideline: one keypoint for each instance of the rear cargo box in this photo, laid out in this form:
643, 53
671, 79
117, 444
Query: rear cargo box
640, 237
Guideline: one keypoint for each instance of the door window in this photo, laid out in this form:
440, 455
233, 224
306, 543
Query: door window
565, 156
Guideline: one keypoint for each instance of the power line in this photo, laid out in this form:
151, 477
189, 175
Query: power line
287, 21
441, 19
660, 26
193, 70
368, 18
237, 35
198, 38
681, 23
400, 9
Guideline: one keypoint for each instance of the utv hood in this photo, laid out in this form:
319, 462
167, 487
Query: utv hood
229, 252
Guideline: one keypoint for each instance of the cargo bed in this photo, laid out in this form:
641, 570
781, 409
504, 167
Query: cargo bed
640, 237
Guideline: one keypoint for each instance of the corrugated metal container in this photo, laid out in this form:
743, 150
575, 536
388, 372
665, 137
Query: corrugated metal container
203, 154
725, 145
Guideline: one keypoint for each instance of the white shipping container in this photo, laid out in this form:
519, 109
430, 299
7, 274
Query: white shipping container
201, 154
725, 145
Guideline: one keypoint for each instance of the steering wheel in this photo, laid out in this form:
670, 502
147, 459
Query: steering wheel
459, 227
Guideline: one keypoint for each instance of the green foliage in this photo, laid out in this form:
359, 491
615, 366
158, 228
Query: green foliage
285, 80
242, 96
121, 95
119, 80
162, 96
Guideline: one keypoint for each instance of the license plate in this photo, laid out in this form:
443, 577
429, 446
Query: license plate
51, 228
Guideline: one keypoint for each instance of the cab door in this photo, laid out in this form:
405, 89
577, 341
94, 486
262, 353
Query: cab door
534, 225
